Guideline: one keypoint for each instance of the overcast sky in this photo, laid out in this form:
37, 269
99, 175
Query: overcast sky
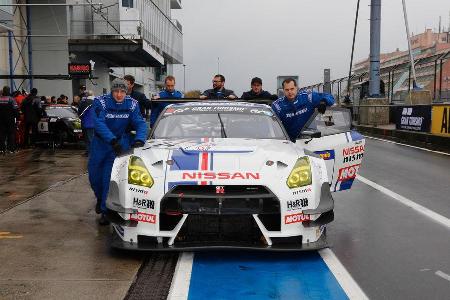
267, 38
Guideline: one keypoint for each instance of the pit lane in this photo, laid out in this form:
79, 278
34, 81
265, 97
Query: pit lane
56, 250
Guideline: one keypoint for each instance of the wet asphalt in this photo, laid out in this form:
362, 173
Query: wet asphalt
51, 246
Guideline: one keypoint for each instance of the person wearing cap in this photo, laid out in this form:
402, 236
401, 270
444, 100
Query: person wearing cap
257, 92
169, 92
115, 115
218, 92
296, 107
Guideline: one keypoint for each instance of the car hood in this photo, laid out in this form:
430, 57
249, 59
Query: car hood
217, 159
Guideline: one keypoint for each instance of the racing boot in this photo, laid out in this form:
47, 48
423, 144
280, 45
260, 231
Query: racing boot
98, 207
103, 221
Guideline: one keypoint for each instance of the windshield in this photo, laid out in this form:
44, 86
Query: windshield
220, 124
60, 112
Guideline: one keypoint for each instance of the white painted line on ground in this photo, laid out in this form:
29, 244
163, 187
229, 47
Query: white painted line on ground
179, 289
415, 147
443, 275
348, 284
411, 204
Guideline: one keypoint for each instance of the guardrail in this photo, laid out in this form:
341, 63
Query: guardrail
427, 118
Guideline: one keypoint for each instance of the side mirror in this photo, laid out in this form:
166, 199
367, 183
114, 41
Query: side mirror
310, 134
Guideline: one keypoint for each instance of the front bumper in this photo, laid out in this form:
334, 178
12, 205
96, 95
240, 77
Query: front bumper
191, 219
118, 243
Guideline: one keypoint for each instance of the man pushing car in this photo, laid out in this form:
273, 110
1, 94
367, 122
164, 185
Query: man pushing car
115, 115
296, 107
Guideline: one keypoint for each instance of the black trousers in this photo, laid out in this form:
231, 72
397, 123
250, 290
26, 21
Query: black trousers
7, 136
30, 140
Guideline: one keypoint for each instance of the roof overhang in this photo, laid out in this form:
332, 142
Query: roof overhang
119, 52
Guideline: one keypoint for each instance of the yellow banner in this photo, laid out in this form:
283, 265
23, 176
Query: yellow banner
440, 123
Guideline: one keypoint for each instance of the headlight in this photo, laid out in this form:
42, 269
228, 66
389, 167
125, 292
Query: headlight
138, 173
300, 174
77, 124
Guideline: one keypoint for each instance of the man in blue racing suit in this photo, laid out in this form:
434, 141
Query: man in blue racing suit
295, 108
115, 115
169, 92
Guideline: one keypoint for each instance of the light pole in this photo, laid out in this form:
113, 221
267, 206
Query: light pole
184, 78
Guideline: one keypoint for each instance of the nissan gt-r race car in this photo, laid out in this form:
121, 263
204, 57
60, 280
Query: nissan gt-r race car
226, 175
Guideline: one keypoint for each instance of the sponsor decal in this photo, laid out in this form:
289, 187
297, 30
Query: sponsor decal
136, 190
348, 173
220, 190
143, 217
118, 116
261, 111
441, 120
296, 218
299, 112
297, 204
220, 175
301, 191
143, 203
326, 154
353, 157
353, 153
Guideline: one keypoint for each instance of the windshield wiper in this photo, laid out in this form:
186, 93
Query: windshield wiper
222, 127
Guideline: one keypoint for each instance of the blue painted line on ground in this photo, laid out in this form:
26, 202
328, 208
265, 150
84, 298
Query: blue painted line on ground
262, 275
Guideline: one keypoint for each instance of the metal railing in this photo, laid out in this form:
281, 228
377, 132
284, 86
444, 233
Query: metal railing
430, 72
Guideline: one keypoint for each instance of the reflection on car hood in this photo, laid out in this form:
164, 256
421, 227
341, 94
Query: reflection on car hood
228, 153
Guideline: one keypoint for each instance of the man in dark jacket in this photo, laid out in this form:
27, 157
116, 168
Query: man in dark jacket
257, 92
32, 110
86, 114
218, 92
144, 103
8, 116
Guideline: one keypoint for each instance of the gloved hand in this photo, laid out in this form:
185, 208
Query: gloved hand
138, 144
322, 107
116, 147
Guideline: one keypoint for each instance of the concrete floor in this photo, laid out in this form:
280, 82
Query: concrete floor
51, 246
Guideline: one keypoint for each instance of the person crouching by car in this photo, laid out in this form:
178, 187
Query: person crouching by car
115, 115
86, 114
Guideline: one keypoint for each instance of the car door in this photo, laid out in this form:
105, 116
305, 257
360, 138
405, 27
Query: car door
340, 146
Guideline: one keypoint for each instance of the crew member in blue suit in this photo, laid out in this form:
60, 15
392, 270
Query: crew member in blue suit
169, 92
115, 115
296, 107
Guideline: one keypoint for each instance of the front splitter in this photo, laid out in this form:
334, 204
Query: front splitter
118, 243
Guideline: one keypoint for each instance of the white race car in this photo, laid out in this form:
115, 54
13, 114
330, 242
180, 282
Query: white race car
225, 174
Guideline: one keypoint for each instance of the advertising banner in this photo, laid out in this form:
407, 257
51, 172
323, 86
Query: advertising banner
414, 118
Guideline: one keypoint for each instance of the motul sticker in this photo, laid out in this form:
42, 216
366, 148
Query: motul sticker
296, 218
143, 217
348, 172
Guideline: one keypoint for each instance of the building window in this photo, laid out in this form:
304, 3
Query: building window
127, 3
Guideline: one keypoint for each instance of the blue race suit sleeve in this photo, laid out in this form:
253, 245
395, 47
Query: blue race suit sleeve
317, 97
99, 123
139, 125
